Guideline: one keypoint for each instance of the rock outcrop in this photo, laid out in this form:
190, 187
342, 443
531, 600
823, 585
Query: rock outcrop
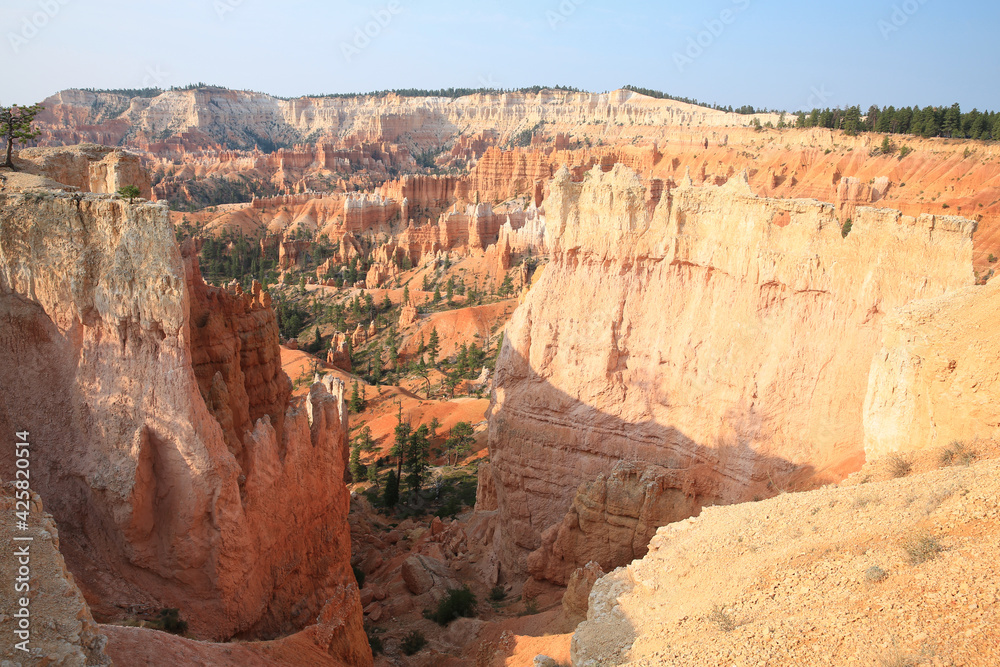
935, 380
55, 627
87, 167
833, 576
613, 517
722, 335
576, 600
167, 428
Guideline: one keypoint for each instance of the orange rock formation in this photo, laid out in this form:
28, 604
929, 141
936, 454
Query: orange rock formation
167, 427
694, 356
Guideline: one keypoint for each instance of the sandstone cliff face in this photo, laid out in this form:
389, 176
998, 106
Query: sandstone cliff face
110, 352
61, 631
935, 379
613, 517
88, 167
240, 118
723, 335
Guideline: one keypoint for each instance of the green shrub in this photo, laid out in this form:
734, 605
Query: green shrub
876, 574
456, 602
170, 621
846, 229
413, 642
904, 151
497, 593
129, 192
530, 608
374, 641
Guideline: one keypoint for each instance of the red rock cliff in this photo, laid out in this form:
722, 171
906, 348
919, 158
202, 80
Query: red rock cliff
111, 348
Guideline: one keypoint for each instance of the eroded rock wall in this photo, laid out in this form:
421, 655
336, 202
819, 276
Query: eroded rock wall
935, 379
232, 512
87, 167
58, 629
721, 335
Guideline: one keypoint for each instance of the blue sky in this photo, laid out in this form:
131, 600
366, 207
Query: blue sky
767, 53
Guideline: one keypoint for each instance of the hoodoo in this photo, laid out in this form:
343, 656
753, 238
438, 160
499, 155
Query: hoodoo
165, 429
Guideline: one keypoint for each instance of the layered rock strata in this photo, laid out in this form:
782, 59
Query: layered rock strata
165, 428
720, 336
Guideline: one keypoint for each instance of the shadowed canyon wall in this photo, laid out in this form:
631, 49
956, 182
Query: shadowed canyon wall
724, 337
180, 473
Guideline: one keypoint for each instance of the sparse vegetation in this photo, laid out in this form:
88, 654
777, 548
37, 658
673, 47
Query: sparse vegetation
899, 466
897, 658
15, 126
497, 593
170, 621
922, 548
723, 619
530, 607
413, 643
456, 603
129, 192
875, 574
957, 453
846, 229
374, 642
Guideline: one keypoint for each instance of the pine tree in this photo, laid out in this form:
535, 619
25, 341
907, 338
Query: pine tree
15, 126
951, 125
406, 295
402, 432
417, 459
885, 120
433, 347
460, 441
357, 402
437, 295
364, 440
852, 121
390, 497
358, 471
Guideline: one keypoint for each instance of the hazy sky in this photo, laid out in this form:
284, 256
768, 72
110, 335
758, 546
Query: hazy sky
768, 53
